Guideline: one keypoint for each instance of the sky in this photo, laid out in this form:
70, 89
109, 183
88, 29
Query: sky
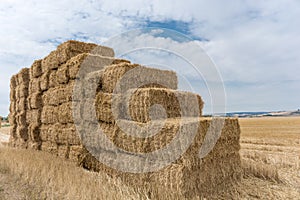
254, 45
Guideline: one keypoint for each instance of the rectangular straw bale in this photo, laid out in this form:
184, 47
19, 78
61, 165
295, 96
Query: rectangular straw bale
65, 113
22, 91
163, 132
21, 118
112, 74
34, 116
21, 105
50, 62
49, 132
90, 63
104, 104
34, 132
22, 132
67, 134
13, 82
63, 74
49, 115
44, 81
99, 109
36, 69
12, 107
49, 147
34, 85
137, 76
12, 118
53, 81
35, 101
59, 95
175, 103
69, 49
13, 131
23, 76
50, 97
190, 177
91, 83
12, 94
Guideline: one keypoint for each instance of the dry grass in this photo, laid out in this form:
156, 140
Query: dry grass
54, 178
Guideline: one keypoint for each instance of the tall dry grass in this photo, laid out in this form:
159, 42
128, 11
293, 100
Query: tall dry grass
54, 178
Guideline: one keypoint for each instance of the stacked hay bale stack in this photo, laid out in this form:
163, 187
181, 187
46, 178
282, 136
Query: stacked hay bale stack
52, 127
35, 105
18, 108
57, 132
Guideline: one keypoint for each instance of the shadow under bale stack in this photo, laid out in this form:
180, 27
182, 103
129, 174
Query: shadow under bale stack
62, 108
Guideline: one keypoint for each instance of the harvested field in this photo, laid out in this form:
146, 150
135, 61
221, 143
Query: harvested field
271, 151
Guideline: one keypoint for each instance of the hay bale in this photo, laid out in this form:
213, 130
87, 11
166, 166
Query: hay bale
13, 131
49, 147
13, 82
12, 119
35, 101
53, 81
112, 74
90, 63
49, 115
36, 69
23, 76
34, 85
65, 113
63, 74
58, 95
136, 76
33, 116
175, 103
44, 81
22, 91
21, 118
68, 135
12, 107
34, 132
49, 99
103, 106
48, 132
164, 133
22, 132
70, 49
12, 95
62, 134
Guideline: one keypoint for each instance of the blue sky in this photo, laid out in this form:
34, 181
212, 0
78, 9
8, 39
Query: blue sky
254, 44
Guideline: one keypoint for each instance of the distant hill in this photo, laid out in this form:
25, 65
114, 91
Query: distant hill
264, 114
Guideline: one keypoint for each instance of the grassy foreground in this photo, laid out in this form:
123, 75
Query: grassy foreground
49, 177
